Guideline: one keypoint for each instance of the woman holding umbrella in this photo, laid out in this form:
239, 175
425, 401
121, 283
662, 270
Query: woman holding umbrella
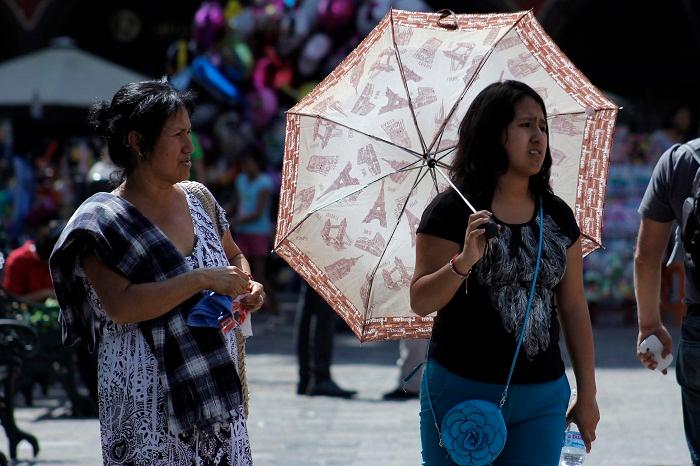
483, 289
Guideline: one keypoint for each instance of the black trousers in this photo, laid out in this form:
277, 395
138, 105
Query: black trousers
315, 328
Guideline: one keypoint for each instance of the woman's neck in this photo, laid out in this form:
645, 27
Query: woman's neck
512, 188
141, 188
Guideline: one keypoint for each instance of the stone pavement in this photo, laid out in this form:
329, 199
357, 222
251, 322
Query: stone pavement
641, 416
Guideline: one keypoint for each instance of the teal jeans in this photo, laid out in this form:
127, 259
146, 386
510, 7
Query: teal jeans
535, 415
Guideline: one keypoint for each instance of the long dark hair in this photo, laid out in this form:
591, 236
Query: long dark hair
481, 157
143, 107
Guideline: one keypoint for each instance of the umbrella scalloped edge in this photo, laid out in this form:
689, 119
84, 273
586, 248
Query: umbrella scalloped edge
381, 328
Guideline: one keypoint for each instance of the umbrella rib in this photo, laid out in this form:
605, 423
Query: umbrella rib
435, 182
421, 175
405, 86
414, 153
333, 201
471, 81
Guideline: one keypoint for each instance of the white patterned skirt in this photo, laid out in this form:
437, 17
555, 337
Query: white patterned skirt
133, 419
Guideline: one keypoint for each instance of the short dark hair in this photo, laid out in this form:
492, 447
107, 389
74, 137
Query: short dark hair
143, 107
481, 157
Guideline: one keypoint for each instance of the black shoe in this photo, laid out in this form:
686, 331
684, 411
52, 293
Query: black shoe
399, 394
330, 388
302, 388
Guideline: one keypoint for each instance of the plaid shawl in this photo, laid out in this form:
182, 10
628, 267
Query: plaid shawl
197, 373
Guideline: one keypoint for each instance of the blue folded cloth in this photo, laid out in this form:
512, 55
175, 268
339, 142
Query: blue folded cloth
206, 312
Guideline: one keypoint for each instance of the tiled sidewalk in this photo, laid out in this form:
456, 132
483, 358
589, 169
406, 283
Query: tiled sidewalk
641, 417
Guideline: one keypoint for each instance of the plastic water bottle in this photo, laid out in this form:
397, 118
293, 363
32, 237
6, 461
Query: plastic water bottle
574, 450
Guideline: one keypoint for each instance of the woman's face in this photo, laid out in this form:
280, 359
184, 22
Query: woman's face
525, 138
173, 148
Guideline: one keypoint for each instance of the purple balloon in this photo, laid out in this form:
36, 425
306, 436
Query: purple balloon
334, 14
209, 24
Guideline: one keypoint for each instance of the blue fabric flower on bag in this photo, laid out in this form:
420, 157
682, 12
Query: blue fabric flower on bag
474, 432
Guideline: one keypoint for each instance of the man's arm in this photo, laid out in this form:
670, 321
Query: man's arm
651, 244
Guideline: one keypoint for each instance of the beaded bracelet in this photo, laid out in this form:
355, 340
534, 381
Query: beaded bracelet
457, 272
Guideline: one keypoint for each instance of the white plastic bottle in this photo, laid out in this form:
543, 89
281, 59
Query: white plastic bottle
573, 453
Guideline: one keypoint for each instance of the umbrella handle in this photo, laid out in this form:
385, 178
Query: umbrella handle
444, 14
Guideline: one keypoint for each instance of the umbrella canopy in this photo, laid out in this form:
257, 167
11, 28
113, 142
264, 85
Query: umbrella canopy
61, 75
371, 146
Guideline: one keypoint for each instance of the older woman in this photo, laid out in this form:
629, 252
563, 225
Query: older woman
137, 259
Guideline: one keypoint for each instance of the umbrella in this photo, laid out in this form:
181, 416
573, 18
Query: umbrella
372, 144
61, 74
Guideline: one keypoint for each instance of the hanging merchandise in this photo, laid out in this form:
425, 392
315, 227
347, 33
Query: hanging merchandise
314, 51
209, 25
210, 78
271, 71
236, 60
334, 15
232, 9
262, 107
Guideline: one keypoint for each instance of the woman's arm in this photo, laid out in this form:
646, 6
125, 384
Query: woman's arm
576, 324
434, 283
126, 302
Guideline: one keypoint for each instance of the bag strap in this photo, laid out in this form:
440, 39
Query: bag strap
206, 198
527, 311
531, 297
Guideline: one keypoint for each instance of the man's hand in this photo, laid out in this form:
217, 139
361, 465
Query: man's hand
661, 332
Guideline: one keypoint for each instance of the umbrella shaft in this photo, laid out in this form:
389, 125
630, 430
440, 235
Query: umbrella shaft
447, 178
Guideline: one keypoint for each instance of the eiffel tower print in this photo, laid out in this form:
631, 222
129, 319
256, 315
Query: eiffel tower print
458, 56
343, 180
402, 280
364, 104
411, 75
304, 199
378, 210
325, 131
394, 102
472, 68
397, 165
383, 63
412, 221
329, 103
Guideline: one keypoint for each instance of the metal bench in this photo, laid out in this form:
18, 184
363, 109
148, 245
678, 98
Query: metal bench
53, 362
18, 342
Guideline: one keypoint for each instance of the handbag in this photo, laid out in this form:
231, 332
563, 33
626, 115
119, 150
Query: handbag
473, 431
